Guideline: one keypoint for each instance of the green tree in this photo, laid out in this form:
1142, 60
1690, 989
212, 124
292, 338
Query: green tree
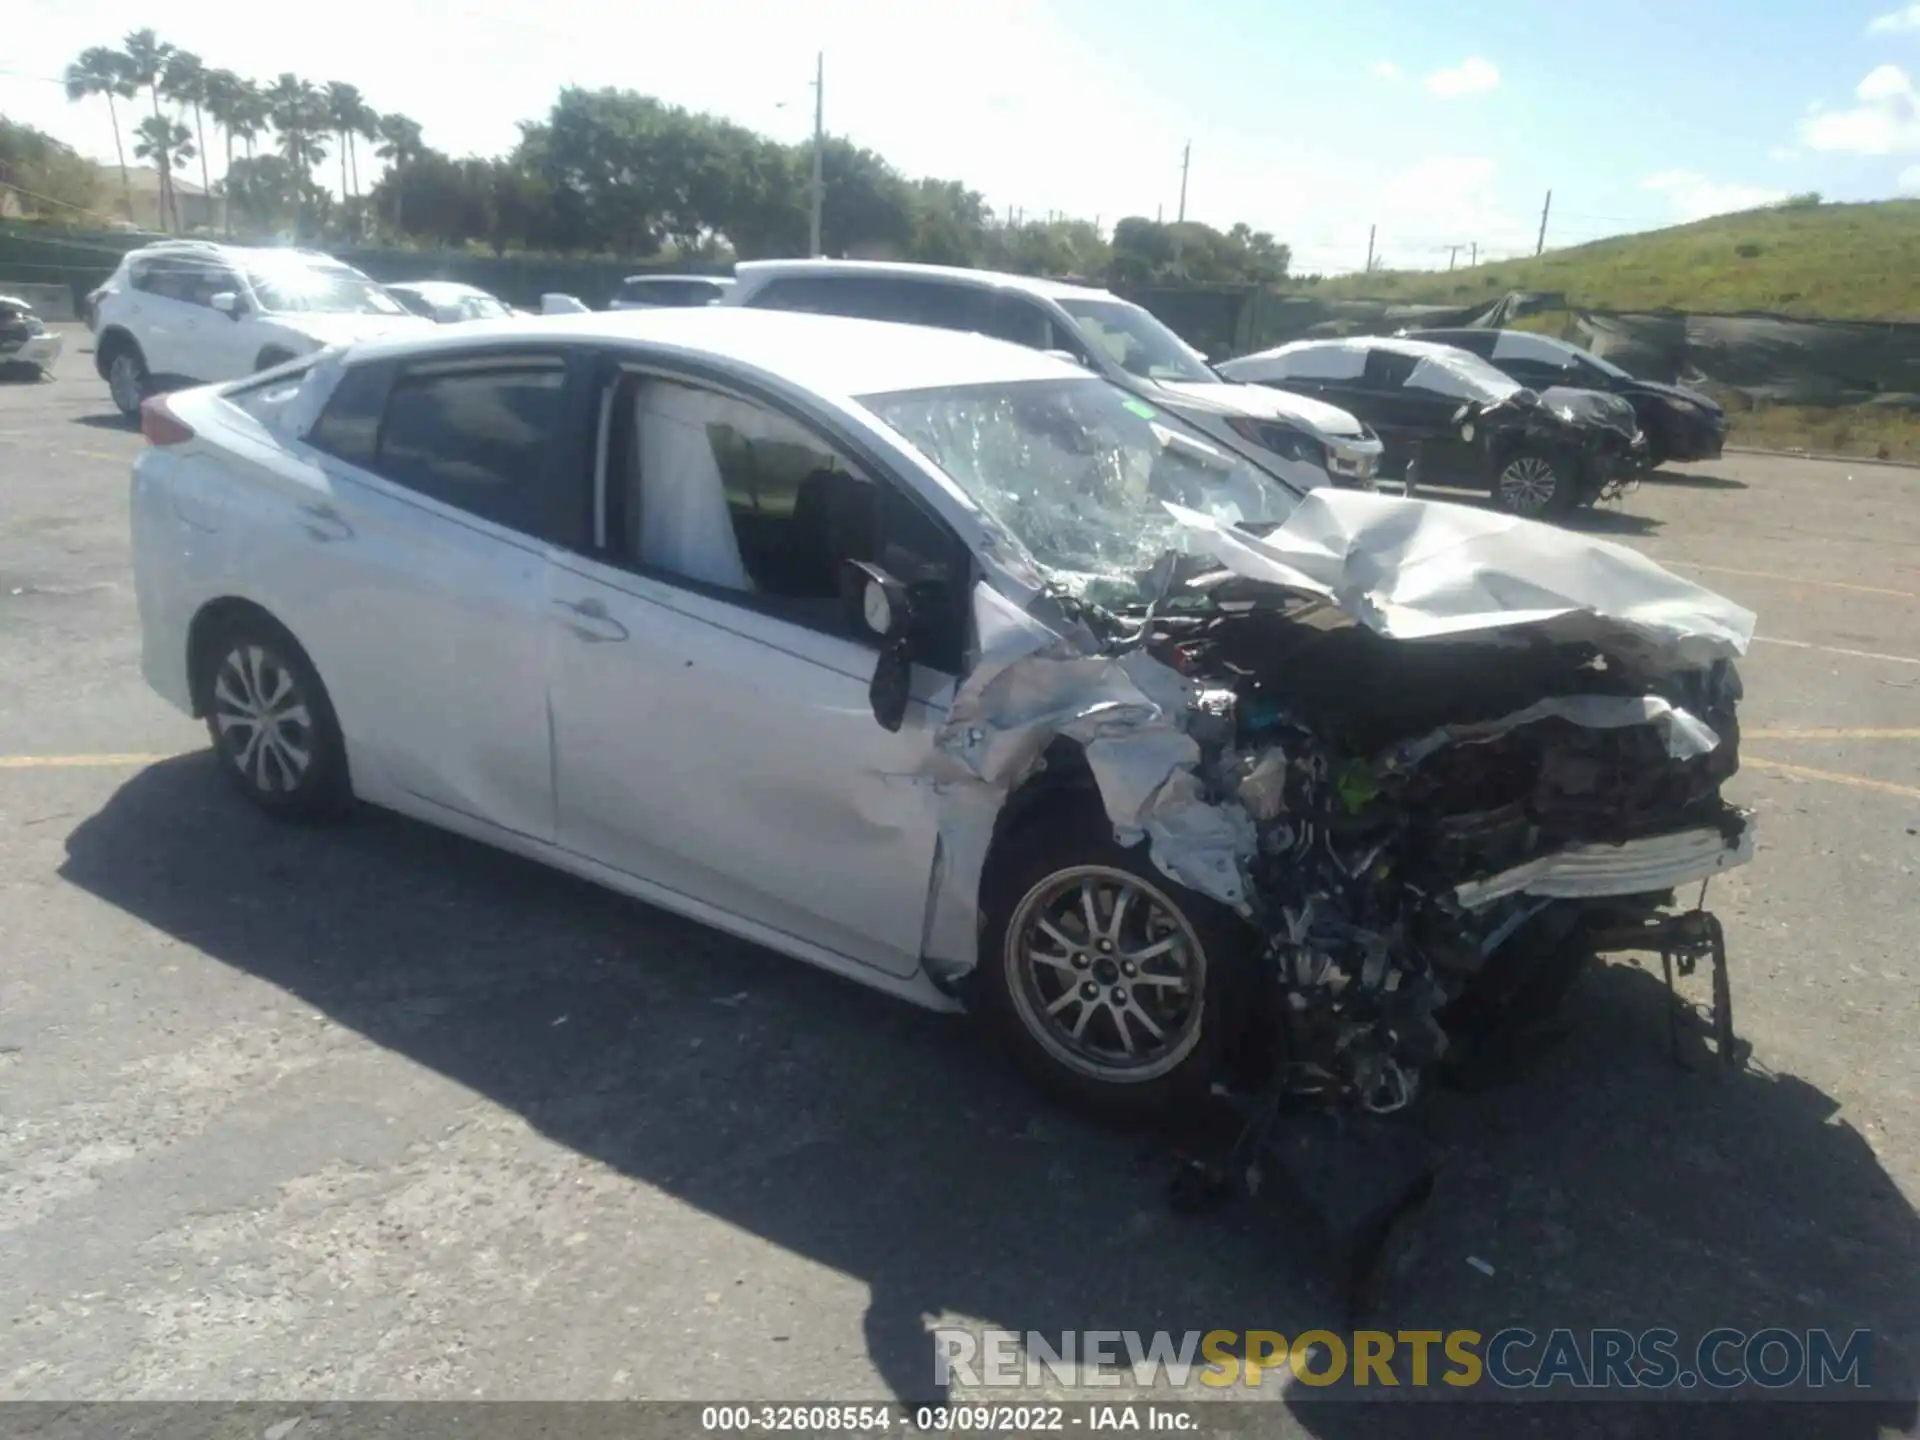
262, 191
166, 144
102, 70
300, 119
350, 118
185, 83
44, 175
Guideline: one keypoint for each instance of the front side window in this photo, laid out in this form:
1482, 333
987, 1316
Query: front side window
477, 436
1077, 470
296, 288
1136, 342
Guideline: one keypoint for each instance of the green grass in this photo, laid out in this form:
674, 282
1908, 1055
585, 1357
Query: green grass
1857, 262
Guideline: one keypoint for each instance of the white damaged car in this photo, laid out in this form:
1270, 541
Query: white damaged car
944, 665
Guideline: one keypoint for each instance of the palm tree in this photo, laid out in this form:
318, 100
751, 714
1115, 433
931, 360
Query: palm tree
102, 70
185, 83
348, 114
251, 115
167, 143
400, 145
300, 116
146, 58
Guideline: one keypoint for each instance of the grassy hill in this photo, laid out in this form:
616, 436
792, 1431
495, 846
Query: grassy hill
1857, 262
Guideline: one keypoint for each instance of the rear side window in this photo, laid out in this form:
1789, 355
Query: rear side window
1388, 369
350, 425
476, 436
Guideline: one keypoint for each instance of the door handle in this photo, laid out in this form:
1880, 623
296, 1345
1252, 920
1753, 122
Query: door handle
591, 621
324, 523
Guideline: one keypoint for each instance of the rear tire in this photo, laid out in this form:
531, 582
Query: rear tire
1149, 982
271, 722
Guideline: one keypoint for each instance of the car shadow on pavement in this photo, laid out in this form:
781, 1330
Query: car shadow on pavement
108, 420
1608, 1189
1693, 479
1609, 520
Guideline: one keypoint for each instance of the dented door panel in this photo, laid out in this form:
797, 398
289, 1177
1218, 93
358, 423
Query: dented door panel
734, 757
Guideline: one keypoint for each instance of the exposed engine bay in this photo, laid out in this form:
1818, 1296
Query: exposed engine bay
1402, 741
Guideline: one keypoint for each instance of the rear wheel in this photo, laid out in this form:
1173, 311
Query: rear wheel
1534, 484
271, 721
1108, 982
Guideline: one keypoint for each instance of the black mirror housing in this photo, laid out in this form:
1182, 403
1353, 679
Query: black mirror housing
882, 607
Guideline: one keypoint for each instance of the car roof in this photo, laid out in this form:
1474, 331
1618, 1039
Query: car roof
952, 274
262, 255
676, 280
828, 354
1393, 344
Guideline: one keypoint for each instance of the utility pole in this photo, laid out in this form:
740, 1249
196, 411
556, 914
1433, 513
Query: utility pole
1180, 219
1474, 259
819, 146
1541, 243
1453, 252
1370, 230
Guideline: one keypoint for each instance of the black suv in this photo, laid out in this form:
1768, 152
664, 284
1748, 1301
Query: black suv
1449, 418
1680, 424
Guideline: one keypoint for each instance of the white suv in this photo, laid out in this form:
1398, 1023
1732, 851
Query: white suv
193, 312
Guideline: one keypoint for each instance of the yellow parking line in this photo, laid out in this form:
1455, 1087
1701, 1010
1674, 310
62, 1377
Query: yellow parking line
100, 455
1790, 579
79, 762
1832, 777
1830, 734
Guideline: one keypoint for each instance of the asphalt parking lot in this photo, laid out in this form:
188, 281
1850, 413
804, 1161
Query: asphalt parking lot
372, 1112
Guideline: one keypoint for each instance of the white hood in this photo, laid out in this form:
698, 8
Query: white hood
346, 329
1419, 569
1263, 403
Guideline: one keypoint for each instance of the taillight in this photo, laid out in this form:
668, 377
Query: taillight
160, 425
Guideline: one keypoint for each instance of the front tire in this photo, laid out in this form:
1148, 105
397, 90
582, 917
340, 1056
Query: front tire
1110, 984
272, 723
1535, 485
127, 379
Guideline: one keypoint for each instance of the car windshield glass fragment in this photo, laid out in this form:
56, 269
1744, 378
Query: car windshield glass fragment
1077, 470
1136, 342
321, 290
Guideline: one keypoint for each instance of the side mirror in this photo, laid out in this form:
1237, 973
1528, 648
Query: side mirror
884, 610
228, 304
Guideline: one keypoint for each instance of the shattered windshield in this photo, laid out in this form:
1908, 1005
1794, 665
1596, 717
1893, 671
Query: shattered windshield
1136, 342
320, 290
1076, 470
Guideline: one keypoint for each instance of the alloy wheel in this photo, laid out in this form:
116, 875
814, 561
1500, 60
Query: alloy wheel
1527, 485
1106, 974
261, 713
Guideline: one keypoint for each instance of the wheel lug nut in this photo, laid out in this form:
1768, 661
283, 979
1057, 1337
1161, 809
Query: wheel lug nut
1129, 969
1080, 962
1105, 946
1119, 995
1090, 991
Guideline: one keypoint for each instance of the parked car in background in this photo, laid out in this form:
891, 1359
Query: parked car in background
555, 303
1449, 418
1101, 332
448, 302
774, 621
193, 312
1679, 423
26, 344
88, 310
646, 292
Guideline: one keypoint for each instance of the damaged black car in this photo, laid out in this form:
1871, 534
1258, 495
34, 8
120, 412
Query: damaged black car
1449, 418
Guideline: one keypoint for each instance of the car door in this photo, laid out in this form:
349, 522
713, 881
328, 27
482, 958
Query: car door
713, 732
449, 479
162, 317
224, 346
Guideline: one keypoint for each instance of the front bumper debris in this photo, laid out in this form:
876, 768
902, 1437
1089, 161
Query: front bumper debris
1660, 862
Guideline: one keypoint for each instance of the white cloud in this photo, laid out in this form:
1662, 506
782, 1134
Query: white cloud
1783, 152
1909, 181
1694, 197
1386, 70
1472, 76
1895, 21
1885, 122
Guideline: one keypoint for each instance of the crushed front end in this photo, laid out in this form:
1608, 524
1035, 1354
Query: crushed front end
1436, 822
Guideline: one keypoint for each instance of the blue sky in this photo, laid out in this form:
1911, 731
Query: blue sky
1313, 121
